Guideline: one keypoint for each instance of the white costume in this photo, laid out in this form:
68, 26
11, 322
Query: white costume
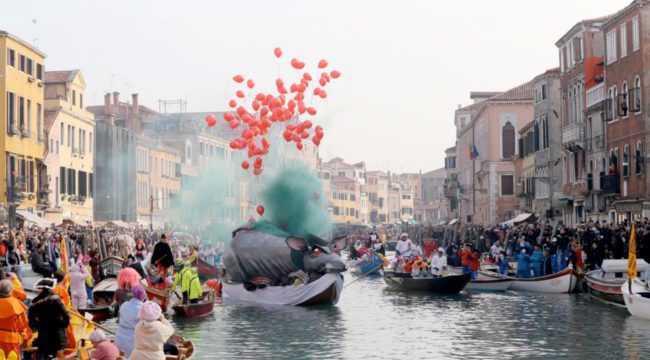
404, 247
438, 263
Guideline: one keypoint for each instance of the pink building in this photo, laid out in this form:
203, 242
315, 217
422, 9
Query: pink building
487, 138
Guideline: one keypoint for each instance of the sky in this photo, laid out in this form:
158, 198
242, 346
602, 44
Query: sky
406, 65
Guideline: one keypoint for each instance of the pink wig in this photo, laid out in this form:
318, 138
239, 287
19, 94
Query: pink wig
127, 277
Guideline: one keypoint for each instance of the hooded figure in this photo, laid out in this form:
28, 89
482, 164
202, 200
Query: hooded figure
104, 349
128, 319
162, 254
151, 333
523, 264
13, 317
48, 316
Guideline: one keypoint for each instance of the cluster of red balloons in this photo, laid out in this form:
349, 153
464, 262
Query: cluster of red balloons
256, 113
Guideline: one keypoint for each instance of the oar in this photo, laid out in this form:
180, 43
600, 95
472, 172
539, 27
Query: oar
364, 275
77, 314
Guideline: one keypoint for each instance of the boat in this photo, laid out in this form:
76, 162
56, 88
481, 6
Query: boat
490, 282
559, 283
203, 308
161, 297
367, 267
605, 283
104, 291
99, 312
325, 290
185, 347
207, 271
447, 284
111, 265
637, 300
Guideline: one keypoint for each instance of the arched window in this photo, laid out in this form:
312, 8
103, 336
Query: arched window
614, 99
507, 140
638, 158
626, 161
637, 95
624, 104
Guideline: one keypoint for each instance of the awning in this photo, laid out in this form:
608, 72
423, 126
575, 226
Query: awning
517, 219
452, 222
32, 218
116, 224
71, 222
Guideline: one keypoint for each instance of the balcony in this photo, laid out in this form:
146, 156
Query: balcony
573, 133
596, 143
578, 188
596, 94
610, 184
451, 189
543, 157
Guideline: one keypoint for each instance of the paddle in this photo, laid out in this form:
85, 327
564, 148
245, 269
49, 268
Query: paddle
364, 275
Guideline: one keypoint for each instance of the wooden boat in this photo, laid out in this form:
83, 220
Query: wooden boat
104, 291
186, 350
111, 265
367, 267
161, 297
203, 308
207, 271
447, 284
605, 283
637, 300
489, 281
99, 312
559, 283
325, 290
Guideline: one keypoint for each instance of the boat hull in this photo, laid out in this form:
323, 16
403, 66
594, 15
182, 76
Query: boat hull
559, 283
111, 265
326, 290
203, 308
636, 304
99, 313
606, 290
158, 296
368, 267
450, 284
104, 291
207, 271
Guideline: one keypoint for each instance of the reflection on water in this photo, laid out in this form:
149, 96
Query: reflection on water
372, 322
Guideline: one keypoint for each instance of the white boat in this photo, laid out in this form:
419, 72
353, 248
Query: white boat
488, 281
559, 283
637, 301
325, 290
605, 283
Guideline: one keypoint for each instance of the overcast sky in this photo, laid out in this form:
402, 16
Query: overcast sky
406, 64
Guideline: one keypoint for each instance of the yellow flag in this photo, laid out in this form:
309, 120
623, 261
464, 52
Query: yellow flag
631, 255
64, 261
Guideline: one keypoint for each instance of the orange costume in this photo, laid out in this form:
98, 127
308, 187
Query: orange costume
14, 327
18, 291
61, 290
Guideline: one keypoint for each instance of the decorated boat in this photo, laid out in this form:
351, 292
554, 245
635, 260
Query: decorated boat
186, 350
204, 307
207, 271
489, 281
367, 266
159, 296
561, 282
111, 265
636, 296
104, 291
325, 290
605, 283
447, 284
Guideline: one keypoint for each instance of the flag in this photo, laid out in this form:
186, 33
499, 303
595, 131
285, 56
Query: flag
64, 261
631, 257
473, 152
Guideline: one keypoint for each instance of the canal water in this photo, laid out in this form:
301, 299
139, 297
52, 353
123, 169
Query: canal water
371, 322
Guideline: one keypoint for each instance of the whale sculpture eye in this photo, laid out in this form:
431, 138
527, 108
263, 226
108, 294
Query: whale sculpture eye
316, 251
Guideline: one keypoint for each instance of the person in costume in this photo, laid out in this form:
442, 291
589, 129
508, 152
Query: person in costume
17, 292
49, 317
151, 333
104, 349
162, 256
523, 264
85, 264
537, 261
14, 324
140, 249
504, 266
404, 245
183, 277
128, 319
127, 278
474, 263
438, 263
195, 293
78, 277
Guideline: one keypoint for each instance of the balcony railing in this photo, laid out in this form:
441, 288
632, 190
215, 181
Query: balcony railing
573, 133
596, 143
596, 94
576, 189
610, 184
543, 157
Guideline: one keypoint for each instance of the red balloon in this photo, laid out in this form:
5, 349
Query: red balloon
335, 74
232, 103
212, 123
279, 83
316, 141
246, 118
260, 97
287, 135
257, 171
228, 116
277, 52
250, 83
322, 94
247, 134
311, 111
317, 91
299, 146
260, 210
297, 64
258, 162
245, 165
322, 64
238, 79
241, 111
256, 105
322, 82
306, 76
240, 94
209, 118
318, 129
234, 123
264, 111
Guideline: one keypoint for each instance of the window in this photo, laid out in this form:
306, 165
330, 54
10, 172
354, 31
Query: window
636, 98
507, 141
39, 122
83, 183
636, 44
611, 47
90, 143
626, 161
62, 185
11, 57
72, 182
507, 185
30, 67
623, 104
21, 114
74, 97
623, 40
546, 133
543, 91
81, 100
21, 63
39, 71
11, 112
90, 185
57, 147
562, 59
61, 134
638, 158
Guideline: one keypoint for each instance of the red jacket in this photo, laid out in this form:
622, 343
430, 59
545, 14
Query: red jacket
474, 264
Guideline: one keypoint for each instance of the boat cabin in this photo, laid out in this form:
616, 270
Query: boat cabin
617, 269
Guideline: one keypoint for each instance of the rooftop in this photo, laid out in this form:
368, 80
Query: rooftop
56, 77
15, 38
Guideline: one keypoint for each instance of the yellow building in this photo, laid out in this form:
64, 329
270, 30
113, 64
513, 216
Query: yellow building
158, 177
345, 200
69, 160
21, 119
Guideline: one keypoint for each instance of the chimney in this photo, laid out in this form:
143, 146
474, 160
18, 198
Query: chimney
107, 104
136, 109
116, 99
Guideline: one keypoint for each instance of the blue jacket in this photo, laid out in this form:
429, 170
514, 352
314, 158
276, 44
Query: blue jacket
503, 266
537, 259
125, 338
523, 262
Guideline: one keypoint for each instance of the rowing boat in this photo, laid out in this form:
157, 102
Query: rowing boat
160, 297
203, 308
447, 284
490, 282
185, 347
207, 271
561, 282
605, 283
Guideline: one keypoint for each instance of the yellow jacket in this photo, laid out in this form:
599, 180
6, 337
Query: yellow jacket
195, 287
183, 277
